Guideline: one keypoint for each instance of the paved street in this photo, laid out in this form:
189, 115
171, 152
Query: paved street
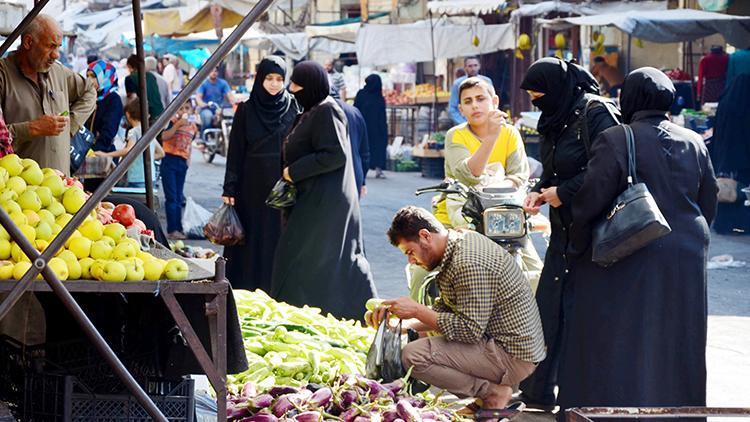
728, 289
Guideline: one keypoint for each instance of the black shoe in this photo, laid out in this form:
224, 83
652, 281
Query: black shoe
532, 403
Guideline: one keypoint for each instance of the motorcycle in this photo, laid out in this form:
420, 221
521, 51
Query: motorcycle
216, 139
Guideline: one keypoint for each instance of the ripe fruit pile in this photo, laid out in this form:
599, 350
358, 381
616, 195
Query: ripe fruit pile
42, 201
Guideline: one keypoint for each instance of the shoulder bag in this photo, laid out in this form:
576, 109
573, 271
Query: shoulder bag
80, 144
632, 222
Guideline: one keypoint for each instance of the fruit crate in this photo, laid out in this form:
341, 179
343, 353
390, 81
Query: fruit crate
50, 397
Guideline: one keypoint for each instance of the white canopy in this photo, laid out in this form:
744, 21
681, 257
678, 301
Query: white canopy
389, 44
584, 9
464, 7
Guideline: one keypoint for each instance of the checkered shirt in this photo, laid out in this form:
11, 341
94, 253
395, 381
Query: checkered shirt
484, 294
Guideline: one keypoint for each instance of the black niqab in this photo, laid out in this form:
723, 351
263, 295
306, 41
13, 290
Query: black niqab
646, 88
563, 84
313, 79
268, 109
370, 102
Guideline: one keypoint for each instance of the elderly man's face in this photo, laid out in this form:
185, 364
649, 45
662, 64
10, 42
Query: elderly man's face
44, 49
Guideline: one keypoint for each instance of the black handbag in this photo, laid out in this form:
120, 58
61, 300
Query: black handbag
80, 144
633, 221
283, 195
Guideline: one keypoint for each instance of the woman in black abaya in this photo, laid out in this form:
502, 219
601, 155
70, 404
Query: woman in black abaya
636, 331
253, 167
320, 260
371, 104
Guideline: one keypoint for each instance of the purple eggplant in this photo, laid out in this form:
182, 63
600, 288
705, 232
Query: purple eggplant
237, 411
280, 391
390, 416
349, 415
347, 398
320, 398
262, 401
248, 390
395, 386
417, 402
311, 416
362, 419
407, 411
283, 405
261, 417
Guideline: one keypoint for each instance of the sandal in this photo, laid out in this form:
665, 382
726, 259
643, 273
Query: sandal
505, 414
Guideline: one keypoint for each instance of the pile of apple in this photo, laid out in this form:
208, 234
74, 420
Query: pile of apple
42, 201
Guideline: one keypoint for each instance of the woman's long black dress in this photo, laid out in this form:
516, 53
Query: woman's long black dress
320, 258
371, 104
253, 167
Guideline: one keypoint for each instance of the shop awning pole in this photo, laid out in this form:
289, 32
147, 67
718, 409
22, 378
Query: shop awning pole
627, 58
38, 6
143, 99
433, 117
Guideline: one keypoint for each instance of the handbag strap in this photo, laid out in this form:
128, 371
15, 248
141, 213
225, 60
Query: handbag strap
630, 140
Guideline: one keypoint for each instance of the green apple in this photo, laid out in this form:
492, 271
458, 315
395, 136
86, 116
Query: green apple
4, 249
109, 241
55, 184
16, 184
6, 269
4, 233
45, 195
29, 200
29, 232
114, 271
12, 163
101, 250
19, 218
21, 268
176, 269
59, 267
11, 206
57, 209
92, 229
63, 219
80, 247
17, 254
123, 251
135, 270
86, 268
32, 174
43, 231
73, 199
8, 195
153, 269
45, 215
115, 231
74, 270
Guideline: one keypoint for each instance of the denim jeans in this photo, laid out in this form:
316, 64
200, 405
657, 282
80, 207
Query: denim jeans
207, 117
173, 170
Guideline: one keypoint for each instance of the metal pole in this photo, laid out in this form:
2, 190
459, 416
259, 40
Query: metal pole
627, 59
38, 6
433, 117
143, 97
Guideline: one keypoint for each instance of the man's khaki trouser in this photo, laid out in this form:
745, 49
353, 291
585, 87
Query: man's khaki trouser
466, 370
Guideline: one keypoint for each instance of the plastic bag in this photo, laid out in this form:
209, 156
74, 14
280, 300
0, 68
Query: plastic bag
194, 219
225, 228
283, 195
384, 356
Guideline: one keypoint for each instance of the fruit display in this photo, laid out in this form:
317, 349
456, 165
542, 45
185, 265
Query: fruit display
286, 345
421, 93
42, 201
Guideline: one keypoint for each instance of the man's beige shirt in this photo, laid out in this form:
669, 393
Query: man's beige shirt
22, 101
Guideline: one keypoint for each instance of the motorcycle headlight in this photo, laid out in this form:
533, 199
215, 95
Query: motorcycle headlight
504, 223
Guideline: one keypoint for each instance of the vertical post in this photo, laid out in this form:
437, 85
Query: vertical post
627, 58
433, 117
143, 97
363, 11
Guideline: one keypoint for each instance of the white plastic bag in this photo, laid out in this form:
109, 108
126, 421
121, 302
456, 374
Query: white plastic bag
194, 218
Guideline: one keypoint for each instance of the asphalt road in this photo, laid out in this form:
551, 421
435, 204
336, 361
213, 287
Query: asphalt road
728, 352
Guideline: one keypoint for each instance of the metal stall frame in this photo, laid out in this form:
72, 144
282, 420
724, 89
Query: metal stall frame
40, 261
584, 414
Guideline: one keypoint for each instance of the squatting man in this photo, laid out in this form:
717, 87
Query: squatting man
489, 334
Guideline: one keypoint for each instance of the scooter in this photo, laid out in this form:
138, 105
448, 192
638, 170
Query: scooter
216, 139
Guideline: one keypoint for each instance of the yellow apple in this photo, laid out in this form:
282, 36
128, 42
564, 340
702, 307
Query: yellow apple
19, 218
67, 255
123, 251
21, 268
29, 232
17, 254
153, 269
176, 269
86, 268
109, 241
32, 218
132, 241
114, 271
43, 231
74, 270
135, 270
59, 267
101, 250
11, 206
6, 270
75, 234
92, 229
96, 268
4, 233
45, 196
8, 195
56, 228
73, 199
4, 176
4, 249
29, 200
115, 231
16, 184
80, 247
41, 245
45, 215
57, 209
144, 256
32, 174
63, 219
55, 185
12, 163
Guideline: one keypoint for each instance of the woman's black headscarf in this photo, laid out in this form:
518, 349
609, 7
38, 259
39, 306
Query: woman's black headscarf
731, 144
645, 89
313, 79
563, 84
269, 109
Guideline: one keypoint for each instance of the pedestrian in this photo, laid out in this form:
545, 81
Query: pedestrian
562, 91
136, 177
371, 104
731, 154
359, 144
172, 74
472, 67
609, 77
44, 102
637, 329
176, 140
336, 79
213, 94
165, 94
320, 259
253, 166
155, 106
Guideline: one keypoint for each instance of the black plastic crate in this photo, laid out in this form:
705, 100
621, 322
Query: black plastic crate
15, 361
50, 397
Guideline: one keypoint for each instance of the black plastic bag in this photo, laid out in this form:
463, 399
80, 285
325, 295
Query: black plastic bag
225, 228
384, 356
283, 195
80, 144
